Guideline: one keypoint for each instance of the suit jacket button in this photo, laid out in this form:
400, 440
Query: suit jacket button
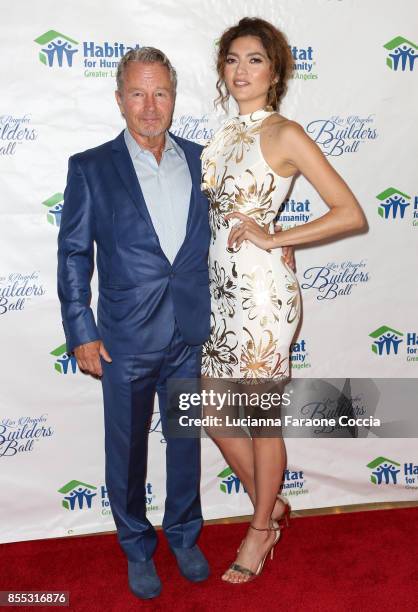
172, 275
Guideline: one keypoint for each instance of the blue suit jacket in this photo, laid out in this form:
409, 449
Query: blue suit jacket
141, 293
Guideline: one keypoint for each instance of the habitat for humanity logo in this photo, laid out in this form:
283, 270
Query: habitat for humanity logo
17, 289
304, 63
338, 135
335, 279
64, 363
150, 498
299, 355
293, 212
384, 470
56, 49
99, 60
402, 54
230, 483
294, 483
393, 204
54, 204
18, 435
389, 472
77, 495
387, 340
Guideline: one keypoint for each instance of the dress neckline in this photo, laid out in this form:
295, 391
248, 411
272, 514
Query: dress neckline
256, 115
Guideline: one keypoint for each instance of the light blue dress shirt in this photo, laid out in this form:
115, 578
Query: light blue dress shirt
166, 188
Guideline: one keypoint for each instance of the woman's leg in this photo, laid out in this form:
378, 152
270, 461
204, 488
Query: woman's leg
237, 447
239, 455
233, 442
269, 458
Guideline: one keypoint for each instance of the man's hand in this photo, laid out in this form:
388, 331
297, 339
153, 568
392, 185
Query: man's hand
88, 357
287, 251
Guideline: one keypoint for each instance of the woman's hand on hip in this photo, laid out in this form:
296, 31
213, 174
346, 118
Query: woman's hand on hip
248, 229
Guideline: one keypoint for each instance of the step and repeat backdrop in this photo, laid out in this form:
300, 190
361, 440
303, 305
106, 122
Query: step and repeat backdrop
354, 90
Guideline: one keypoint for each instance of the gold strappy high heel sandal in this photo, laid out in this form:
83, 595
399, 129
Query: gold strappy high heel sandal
236, 567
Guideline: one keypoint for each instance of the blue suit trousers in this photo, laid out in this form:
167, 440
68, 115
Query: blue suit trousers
129, 386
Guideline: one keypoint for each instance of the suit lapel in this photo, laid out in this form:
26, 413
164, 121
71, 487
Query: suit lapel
126, 170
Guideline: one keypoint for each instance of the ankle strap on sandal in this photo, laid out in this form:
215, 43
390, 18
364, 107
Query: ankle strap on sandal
266, 528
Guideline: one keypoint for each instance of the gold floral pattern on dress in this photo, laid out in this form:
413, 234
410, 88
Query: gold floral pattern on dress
215, 146
256, 199
220, 199
294, 300
257, 357
238, 138
255, 299
222, 290
218, 357
259, 296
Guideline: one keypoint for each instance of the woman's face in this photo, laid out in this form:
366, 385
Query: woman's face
247, 73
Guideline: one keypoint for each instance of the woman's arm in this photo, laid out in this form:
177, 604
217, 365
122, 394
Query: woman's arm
345, 214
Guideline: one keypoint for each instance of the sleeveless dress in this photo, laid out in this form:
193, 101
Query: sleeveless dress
255, 296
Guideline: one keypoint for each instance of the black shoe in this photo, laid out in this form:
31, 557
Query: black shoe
143, 579
192, 563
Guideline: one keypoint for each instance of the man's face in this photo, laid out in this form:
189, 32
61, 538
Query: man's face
146, 99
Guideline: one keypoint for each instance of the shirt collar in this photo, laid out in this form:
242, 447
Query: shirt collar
135, 149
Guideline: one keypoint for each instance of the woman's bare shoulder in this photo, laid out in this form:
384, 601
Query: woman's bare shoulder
277, 124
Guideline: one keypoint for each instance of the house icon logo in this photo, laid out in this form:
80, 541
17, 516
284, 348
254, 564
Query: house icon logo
299, 355
401, 54
56, 49
384, 471
64, 363
386, 340
77, 495
54, 205
392, 203
230, 482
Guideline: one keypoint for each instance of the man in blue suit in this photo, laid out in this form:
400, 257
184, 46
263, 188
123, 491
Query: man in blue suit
138, 198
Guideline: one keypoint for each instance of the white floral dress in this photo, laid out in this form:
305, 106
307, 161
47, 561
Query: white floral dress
255, 296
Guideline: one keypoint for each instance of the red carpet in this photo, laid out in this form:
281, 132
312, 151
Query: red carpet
362, 561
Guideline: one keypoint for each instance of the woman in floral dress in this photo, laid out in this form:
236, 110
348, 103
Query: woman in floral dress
248, 169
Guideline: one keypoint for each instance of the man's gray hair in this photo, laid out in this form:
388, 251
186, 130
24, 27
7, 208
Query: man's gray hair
146, 55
